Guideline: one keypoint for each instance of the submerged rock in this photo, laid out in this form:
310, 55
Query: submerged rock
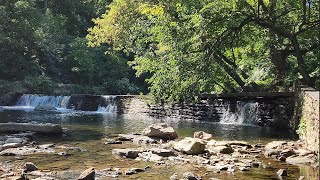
88, 174
128, 153
162, 152
190, 146
203, 135
127, 137
133, 171
160, 130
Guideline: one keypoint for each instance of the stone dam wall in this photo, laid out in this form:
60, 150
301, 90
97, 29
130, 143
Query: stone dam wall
272, 109
307, 113
263, 109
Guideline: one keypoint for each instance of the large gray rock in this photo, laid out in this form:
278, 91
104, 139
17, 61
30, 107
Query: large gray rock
160, 130
14, 140
39, 128
45, 108
88, 174
190, 146
202, 135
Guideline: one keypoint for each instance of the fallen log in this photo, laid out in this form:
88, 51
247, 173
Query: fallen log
38, 128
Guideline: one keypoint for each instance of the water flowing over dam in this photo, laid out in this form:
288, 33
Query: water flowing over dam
272, 111
38, 100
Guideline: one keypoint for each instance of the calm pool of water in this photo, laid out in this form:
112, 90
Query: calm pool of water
98, 125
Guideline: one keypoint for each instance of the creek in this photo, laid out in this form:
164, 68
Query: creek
89, 129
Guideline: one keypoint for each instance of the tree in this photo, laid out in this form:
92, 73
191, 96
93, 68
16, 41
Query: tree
192, 47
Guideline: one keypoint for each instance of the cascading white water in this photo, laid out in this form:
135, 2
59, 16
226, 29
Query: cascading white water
107, 104
38, 100
243, 113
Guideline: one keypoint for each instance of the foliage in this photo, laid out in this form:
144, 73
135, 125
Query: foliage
194, 47
44, 45
302, 127
40, 84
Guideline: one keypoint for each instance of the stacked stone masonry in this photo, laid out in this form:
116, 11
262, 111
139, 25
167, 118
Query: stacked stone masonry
309, 98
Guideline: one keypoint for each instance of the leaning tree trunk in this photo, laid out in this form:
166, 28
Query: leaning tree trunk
301, 64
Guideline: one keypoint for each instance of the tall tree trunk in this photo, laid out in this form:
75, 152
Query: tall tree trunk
230, 71
301, 64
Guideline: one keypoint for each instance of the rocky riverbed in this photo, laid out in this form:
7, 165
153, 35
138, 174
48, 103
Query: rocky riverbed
145, 155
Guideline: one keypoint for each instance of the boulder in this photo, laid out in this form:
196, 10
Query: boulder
160, 130
190, 146
220, 149
128, 153
203, 135
275, 145
88, 174
29, 166
14, 140
45, 108
306, 160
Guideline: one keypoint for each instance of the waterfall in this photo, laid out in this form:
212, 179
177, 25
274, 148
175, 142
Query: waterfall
240, 113
39, 100
107, 104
